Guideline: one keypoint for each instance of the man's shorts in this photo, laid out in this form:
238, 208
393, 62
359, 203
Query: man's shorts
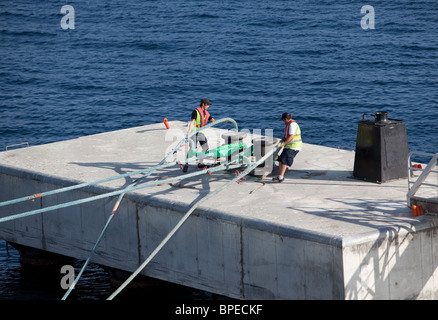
287, 156
200, 137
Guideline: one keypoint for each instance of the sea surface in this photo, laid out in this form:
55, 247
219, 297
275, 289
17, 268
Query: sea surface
135, 62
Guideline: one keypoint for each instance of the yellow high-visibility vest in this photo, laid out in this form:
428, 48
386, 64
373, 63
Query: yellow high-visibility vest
201, 118
296, 141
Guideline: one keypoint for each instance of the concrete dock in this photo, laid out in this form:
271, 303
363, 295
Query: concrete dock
319, 235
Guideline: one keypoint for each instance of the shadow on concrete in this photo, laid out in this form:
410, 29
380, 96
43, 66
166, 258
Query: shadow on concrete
149, 130
366, 212
200, 183
397, 263
309, 176
119, 168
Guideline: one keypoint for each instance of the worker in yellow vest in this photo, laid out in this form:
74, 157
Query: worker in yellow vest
200, 118
292, 145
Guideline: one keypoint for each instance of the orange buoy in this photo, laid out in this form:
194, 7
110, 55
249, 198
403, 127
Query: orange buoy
166, 123
419, 211
414, 210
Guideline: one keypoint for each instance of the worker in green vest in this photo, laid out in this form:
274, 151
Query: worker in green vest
292, 145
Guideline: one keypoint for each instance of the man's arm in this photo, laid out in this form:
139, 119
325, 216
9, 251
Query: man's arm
286, 141
192, 123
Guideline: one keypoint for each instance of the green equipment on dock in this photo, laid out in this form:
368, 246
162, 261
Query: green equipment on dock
221, 151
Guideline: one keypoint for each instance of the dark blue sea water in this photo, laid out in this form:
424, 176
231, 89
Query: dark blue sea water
135, 62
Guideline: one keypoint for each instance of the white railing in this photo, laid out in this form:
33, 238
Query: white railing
413, 186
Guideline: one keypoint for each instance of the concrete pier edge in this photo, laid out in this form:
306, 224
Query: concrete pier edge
375, 235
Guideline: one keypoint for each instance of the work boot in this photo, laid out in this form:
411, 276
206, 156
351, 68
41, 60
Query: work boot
277, 180
186, 167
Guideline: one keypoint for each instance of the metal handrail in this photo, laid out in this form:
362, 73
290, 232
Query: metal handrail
17, 145
422, 177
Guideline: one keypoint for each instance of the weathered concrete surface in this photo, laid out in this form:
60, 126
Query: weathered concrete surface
318, 235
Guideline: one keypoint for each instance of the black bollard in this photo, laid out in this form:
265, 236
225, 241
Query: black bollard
381, 149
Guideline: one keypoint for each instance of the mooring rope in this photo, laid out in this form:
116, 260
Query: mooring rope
76, 186
198, 173
129, 188
186, 216
91, 254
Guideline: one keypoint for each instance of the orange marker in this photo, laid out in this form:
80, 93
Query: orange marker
166, 123
414, 210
